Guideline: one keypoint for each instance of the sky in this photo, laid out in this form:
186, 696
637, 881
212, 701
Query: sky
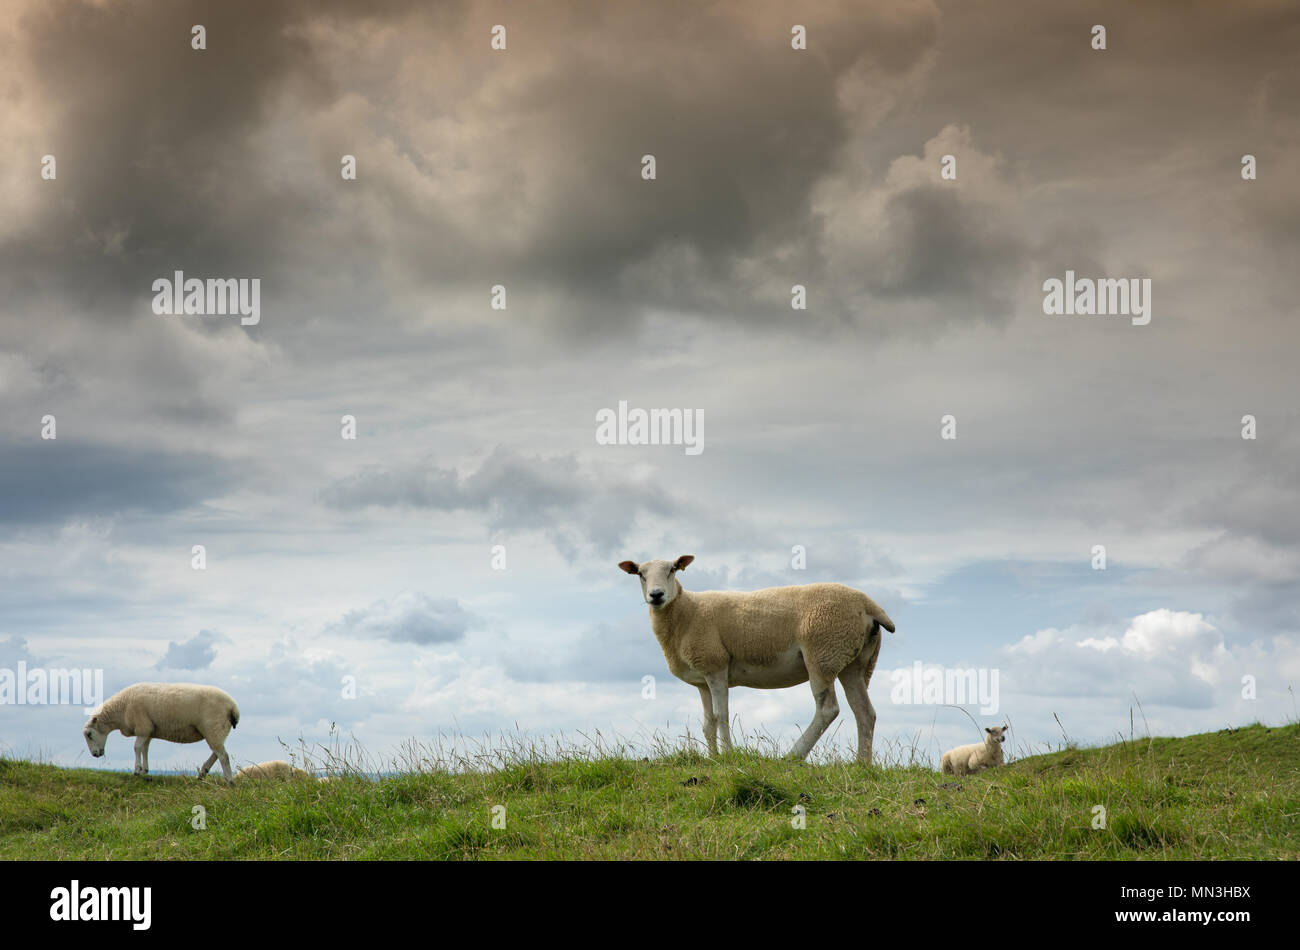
376, 561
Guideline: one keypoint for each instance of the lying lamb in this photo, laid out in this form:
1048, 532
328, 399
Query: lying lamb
176, 712
767, 639
968, 759
277, 769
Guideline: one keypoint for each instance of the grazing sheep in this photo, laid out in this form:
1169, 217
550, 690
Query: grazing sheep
976, 757
767, 639
277, 769
176, 712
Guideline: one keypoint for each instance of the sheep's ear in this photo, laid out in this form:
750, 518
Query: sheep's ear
988, 730
629, 566
681, 562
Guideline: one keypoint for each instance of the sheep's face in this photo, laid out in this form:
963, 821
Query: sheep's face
997, 733
95, 736
659, 584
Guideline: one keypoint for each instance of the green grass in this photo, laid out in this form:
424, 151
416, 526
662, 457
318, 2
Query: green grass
1229, 794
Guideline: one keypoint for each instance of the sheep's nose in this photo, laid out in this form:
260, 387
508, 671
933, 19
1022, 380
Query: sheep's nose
657, 594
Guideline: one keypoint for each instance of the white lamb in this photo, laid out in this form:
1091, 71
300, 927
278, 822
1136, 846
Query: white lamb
276, 769
176, 712
767, 639
969, 759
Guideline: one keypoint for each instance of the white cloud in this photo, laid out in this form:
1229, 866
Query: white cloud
1163, 658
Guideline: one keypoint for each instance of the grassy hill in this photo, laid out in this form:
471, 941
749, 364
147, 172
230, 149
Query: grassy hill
1229, 794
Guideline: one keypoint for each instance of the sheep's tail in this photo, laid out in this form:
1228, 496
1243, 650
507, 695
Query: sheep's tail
234, 716
877, 613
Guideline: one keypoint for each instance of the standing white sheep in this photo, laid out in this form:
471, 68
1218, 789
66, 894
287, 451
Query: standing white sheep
176, 712
969, 759
767, 639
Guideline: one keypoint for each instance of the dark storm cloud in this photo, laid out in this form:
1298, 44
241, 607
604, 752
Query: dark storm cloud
152, 140
57, 480
1114, 109
1131, 139
171, 158
945, 247
740, 136
522, 167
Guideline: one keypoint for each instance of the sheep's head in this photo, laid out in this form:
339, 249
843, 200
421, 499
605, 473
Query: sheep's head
659, 584
997, 733
95, 735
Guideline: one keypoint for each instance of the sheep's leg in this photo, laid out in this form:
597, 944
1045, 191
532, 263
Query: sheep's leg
828, 707
142, 755
718, 693
855, 691
219, 752
710, 721
212, 760
225, 768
